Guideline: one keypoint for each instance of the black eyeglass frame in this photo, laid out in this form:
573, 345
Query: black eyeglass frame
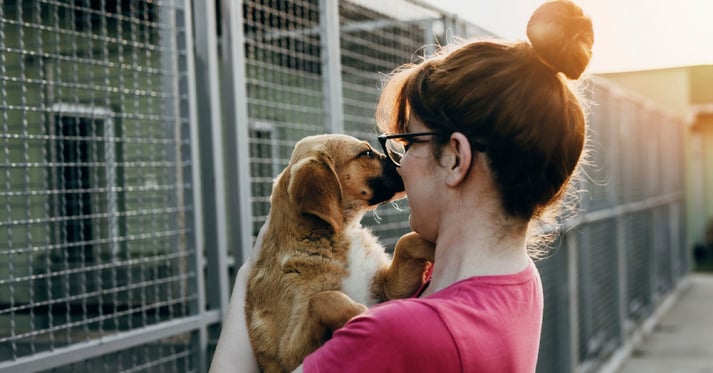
478, 146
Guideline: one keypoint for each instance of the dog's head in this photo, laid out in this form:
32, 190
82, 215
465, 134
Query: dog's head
336, 178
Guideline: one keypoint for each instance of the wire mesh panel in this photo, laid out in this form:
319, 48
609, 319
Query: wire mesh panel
631, 215
652, 153
631, 177
602, 150
94, 240
555, 347
662, 250
639, 261
174, 354
672, 165
372, 44
684, 255
284, 85
598, 282
285, 81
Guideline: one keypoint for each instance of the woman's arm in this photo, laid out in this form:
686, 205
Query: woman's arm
234, 352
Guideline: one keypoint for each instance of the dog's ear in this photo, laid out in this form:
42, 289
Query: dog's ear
315, 189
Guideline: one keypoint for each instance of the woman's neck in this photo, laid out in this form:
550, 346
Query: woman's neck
471, 245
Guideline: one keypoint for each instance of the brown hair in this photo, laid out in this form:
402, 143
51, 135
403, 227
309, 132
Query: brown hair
510, 96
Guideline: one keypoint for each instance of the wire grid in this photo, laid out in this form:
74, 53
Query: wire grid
555, 350
672, 173
284, 85
639, 260
169, 355
662, 250
598, 281
684, 255
92, 172
673, 164
602, 149
372, 44
631, 177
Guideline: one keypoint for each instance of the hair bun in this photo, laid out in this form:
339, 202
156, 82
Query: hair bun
562, 36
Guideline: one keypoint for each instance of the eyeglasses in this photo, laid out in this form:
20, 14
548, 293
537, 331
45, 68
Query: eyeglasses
396, 145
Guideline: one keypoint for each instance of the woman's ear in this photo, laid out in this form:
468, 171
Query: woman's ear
460, 164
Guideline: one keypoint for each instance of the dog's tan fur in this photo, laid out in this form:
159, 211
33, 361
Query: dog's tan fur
318, 267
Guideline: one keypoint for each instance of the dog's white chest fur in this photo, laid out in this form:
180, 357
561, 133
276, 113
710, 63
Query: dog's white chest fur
366, 256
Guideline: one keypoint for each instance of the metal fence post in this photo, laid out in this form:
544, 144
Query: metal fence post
622, 295
674, 241
198, 306
235, 100
331, 65
573, 282
211, 160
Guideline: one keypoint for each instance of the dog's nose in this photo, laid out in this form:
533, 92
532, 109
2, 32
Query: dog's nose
387, 185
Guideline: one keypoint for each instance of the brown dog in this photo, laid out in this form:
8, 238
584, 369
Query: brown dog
318, 267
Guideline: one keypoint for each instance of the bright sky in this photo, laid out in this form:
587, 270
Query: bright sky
629, 34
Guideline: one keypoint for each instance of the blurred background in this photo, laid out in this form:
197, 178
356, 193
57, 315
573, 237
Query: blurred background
140, 139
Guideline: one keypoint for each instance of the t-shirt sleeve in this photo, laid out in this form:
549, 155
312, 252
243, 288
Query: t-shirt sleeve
397, 336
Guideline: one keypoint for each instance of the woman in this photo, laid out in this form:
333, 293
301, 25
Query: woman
486, 137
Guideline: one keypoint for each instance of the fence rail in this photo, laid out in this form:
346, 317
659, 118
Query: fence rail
139, 143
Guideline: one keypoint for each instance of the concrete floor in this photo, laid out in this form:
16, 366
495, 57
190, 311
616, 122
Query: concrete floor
682, 340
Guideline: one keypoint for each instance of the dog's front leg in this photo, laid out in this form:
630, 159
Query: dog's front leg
404, 275
326, 312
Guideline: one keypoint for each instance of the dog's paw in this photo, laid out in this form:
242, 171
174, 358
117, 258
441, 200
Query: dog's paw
413, 246
334, 308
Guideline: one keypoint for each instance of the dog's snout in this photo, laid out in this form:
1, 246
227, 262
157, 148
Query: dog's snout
386, 185
390, 171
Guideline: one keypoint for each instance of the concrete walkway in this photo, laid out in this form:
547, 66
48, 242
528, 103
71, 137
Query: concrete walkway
682, 340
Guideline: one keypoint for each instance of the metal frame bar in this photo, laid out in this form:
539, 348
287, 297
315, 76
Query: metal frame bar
210, 138
198, 265
86, 350
235, 104
622, 295
331, 65
345, 28
627, 208
573, 290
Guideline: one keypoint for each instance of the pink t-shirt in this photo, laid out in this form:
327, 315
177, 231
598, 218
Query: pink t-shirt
481, 324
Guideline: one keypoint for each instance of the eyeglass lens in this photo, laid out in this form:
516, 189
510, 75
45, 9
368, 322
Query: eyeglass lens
395, 150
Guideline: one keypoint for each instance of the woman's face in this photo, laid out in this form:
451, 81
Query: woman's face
421, 174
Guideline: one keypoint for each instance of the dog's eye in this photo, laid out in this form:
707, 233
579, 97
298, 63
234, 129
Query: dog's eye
368, 153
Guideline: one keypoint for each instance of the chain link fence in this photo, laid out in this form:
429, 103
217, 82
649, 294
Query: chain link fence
136, 170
